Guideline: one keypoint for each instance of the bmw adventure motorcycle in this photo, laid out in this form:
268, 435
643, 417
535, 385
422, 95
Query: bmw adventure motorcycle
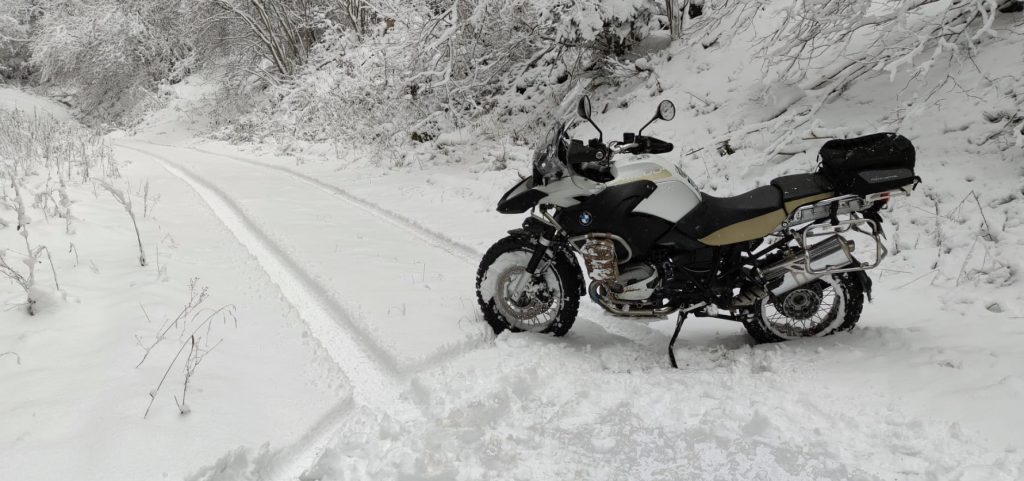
779, 258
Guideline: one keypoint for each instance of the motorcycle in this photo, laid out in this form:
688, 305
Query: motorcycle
778, 258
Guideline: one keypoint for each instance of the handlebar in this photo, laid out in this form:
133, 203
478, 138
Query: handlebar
594, 151
641, 145
616, 146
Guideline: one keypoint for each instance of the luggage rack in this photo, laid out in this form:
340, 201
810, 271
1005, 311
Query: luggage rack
844, 204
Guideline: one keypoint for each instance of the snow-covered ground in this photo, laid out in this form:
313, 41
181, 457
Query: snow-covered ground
74, 400
359, 352
15, 99
887, 399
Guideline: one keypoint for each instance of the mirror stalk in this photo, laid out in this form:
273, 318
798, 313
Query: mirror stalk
600, 134
649, 122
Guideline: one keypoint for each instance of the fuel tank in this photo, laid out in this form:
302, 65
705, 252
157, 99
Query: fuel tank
676, 195
640, 206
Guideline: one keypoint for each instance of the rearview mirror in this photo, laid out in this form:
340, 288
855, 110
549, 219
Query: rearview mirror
666, 110
584, 108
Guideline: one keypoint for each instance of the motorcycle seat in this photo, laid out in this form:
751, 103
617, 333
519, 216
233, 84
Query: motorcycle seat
718, 221
727, 220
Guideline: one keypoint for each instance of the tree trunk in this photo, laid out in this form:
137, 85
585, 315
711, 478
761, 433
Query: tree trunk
675, 18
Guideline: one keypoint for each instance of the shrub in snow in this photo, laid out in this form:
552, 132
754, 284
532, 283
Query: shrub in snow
413, 70
16, 18
25, 276
280, 32
39, 158
110, 55
191, 328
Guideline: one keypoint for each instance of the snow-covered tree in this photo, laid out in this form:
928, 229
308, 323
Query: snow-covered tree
110, 54
16, 20
411, 69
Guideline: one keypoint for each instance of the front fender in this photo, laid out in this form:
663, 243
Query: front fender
520, 198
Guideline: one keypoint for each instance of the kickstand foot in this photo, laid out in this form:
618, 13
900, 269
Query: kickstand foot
672, 343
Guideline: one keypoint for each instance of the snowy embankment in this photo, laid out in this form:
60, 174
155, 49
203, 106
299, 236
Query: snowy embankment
74, 400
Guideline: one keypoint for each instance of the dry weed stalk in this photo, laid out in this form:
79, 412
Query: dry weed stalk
194, 324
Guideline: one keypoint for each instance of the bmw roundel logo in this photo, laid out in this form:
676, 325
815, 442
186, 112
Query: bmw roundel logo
585, 218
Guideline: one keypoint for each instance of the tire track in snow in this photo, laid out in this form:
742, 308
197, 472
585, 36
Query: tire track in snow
372, 373
291, 462
437, 239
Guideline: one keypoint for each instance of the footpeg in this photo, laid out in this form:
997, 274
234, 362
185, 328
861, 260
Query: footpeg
749, 296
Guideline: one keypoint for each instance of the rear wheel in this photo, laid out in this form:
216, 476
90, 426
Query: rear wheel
551, 297
817, 309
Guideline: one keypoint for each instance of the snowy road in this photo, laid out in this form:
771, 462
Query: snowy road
392, 284
391, 300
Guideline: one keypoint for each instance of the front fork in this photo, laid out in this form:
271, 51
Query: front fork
536, 264
543, 232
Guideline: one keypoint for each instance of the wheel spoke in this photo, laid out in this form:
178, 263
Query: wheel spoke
537, 307
806, 311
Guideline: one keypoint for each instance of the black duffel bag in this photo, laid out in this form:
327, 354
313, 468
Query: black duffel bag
870, 164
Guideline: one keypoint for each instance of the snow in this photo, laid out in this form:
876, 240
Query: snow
73, 405
15, 99
360, 352
887, 398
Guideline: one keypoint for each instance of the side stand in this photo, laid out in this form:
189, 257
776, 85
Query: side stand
675, 335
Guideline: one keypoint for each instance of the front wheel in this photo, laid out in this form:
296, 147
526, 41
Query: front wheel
550, 299
820, 308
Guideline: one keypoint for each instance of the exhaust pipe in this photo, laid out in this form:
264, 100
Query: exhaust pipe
832, 253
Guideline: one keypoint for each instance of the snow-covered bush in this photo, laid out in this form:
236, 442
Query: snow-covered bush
278, 33
831, 41
428, 67
16, 17
39, 145
39, 158
25, 274
111, 55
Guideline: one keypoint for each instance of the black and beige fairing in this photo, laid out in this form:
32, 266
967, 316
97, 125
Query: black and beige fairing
564, 192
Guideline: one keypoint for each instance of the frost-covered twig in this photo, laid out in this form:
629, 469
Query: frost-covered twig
126, 203
146, 198
197, 296
199, 347
196, 355
989, 233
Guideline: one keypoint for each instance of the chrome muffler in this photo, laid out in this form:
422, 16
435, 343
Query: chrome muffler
810, 265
